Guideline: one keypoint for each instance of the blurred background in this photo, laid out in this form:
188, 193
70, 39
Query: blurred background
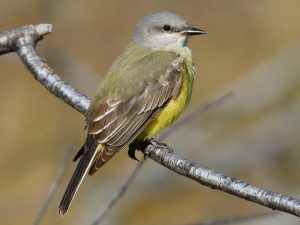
251, 48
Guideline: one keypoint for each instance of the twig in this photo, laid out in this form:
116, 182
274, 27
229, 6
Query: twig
8, 39
99, 218
24, 45
195, 114
234, 220
54, 186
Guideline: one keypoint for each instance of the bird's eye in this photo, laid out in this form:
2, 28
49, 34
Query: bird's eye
166, 27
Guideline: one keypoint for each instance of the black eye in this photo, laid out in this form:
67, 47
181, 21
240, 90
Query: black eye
166, 27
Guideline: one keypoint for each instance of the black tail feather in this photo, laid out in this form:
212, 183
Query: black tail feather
83, 166
79, 153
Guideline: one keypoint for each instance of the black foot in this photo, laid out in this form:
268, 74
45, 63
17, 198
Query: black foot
133, 147
131, 153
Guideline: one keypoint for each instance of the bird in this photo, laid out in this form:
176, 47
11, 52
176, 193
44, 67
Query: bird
144, 91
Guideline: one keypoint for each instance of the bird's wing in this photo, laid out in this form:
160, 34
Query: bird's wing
116, 123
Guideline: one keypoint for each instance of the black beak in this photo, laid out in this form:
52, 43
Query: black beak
193, 31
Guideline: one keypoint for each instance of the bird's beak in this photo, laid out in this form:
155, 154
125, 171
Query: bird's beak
193, 31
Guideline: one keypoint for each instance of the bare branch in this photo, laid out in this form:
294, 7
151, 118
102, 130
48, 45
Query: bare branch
23, 41
8, 39
99, 218
164, 155
195, 114
54, 186
234, 220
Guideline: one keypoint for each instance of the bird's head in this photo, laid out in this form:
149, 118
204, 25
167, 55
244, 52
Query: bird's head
163, 30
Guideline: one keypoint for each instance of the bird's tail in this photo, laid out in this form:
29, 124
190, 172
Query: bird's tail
82, 168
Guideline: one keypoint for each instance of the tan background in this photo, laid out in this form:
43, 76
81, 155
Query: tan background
252, 48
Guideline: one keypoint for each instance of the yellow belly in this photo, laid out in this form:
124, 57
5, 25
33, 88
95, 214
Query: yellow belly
172, 110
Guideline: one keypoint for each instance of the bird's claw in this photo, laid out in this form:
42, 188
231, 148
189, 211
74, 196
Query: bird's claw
131, 153
147, 147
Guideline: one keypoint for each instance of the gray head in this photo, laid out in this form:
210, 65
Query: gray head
163, 30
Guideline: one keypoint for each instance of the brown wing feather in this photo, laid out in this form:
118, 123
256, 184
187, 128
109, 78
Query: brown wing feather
116, 125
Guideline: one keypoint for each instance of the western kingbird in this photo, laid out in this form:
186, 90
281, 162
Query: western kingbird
145, 90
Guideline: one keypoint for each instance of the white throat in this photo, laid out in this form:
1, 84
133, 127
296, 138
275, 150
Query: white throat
164, 41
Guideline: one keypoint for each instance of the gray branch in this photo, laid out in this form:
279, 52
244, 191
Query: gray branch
54, 186
237, 219
165, 156
23, 41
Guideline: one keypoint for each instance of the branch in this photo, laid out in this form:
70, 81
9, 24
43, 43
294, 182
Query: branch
120, 192
54, 186
235, 220
163, 135
23, 41
164, 155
